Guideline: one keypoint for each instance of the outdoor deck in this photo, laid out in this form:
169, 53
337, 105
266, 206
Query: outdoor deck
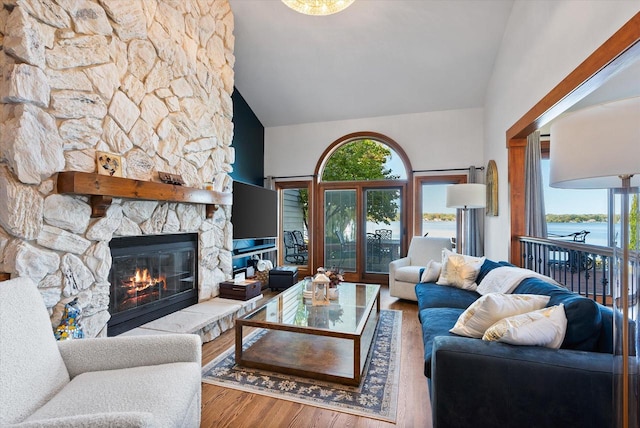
582, 268
378, 255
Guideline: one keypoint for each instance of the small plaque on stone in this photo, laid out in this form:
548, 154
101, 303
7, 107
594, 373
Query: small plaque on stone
169, 178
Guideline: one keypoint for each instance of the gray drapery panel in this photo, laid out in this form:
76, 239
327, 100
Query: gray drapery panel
535, 221
476, 223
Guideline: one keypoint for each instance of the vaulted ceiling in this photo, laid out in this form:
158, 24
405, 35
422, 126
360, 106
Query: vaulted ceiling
376, 58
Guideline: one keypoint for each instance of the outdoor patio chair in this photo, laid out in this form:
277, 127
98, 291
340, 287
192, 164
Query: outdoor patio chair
386, 235
373, 249
293, 252
575, 260
299, 238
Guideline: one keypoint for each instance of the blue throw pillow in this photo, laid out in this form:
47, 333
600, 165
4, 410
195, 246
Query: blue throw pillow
584, 319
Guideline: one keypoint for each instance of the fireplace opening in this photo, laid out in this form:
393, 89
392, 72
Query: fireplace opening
151, 276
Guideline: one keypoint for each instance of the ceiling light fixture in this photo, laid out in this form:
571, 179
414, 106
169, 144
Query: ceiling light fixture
318, 7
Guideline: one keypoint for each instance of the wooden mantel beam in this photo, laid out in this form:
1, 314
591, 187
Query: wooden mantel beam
102, 188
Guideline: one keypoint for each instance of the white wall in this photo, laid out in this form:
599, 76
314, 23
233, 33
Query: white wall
544, 41
445, 139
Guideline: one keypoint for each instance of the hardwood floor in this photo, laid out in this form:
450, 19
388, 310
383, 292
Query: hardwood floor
224, 407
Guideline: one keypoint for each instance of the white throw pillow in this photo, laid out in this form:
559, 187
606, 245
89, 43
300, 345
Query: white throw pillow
544, 327
459, 270
489, 309
431, 272
505, 279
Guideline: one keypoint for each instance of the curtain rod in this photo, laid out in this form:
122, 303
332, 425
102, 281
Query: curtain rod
291, 176
481, 168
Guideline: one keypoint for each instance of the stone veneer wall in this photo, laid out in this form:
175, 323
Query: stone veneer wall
150, 80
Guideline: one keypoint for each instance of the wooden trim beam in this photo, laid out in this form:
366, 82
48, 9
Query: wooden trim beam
517, 151
616, 53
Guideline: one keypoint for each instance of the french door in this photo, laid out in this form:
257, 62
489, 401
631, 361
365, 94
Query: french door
363, 227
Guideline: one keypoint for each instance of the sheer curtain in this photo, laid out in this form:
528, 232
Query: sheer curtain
270, 182
535, 221
476, 222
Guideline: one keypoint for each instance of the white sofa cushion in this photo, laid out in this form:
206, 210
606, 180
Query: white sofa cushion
505, 279
409, 274
23, 315
166, 392
431, 271
459, 270
544, 327
489, 309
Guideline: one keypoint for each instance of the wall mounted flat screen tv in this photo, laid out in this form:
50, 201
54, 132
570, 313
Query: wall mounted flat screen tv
254, 213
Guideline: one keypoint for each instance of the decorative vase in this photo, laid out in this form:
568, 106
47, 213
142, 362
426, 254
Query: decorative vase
69, 327
334, 294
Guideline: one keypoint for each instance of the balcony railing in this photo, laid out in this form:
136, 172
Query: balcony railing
582, 268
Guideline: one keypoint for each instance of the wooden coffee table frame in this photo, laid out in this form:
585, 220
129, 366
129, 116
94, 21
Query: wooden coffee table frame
317, 353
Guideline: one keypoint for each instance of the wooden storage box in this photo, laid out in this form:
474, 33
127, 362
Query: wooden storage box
242, 290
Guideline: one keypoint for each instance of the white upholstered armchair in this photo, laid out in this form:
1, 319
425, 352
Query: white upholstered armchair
142, 381
404, 273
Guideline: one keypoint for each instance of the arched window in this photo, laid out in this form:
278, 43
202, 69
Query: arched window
363, 159
362, 182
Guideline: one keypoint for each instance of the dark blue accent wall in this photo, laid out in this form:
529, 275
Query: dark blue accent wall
248, 141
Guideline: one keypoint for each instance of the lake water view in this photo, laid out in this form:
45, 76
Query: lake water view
597, 230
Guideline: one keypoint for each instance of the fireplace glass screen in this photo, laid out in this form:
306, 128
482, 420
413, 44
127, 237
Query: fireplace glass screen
150, 277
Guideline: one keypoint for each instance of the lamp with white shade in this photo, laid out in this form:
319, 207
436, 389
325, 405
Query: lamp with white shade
466, 196
595, 148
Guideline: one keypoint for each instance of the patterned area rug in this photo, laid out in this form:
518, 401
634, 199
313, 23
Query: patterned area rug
376, 397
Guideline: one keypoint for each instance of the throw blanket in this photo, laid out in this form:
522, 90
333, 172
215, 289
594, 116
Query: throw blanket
506, 278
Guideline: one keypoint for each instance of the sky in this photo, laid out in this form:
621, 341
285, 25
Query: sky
557, 201
569, 201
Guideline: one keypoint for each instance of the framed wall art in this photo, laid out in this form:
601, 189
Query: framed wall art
109, 164
492, 189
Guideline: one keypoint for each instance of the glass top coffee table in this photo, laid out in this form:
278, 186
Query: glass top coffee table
329, 343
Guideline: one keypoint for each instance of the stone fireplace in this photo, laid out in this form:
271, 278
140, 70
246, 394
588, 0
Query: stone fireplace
151, 276
148, 80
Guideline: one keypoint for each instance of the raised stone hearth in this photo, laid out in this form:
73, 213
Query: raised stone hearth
148, 80
207, 319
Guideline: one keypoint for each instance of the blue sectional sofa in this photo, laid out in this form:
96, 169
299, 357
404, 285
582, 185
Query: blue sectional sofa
475, 383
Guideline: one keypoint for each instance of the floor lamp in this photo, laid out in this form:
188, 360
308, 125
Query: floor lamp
466, 196
599, 148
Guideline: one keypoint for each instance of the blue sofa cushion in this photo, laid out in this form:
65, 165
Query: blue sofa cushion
436, 322
605, 340
584, 320
431, 295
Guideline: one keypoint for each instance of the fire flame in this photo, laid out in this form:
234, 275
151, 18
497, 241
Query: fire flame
143, 280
